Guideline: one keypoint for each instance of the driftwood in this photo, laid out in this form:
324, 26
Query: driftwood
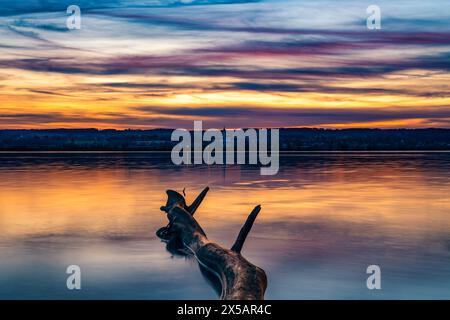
239, 279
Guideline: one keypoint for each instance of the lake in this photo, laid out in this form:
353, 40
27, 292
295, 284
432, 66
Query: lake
325, 218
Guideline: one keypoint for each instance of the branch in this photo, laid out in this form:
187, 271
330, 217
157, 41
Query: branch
239, 278
194, 206
237, 246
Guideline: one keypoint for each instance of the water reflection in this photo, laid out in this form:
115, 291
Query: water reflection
325, 218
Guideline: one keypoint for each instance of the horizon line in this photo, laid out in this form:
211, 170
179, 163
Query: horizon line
162, 128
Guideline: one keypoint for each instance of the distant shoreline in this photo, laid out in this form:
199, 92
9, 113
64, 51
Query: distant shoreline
301, 140
293, 152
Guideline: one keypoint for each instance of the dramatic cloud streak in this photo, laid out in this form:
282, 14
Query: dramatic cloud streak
249, 63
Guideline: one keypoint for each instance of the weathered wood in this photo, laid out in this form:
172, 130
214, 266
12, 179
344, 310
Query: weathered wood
239, 278
237, 246
194, 206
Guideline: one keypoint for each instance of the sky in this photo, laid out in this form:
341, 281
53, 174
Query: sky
231, 63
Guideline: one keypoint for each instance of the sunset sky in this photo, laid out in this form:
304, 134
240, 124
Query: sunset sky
235, 63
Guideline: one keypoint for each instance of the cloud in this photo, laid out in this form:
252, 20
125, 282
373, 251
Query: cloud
292, 87
227, 47
49, 93
36, 24
13, 7
214, 64
146, 86
221, 116
37, 120
298, 116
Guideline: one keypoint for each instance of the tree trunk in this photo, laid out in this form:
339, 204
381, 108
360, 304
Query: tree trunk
240, 279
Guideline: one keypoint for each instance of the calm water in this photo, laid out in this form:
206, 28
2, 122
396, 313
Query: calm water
324, 219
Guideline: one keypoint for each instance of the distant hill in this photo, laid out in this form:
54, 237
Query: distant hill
290, 140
